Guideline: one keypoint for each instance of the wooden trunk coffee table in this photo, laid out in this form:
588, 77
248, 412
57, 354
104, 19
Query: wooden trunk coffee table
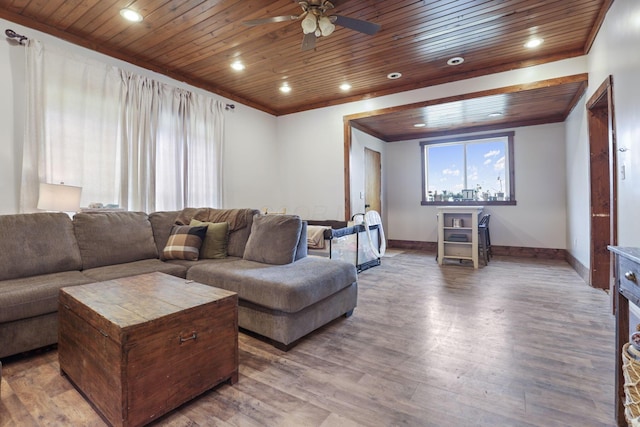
140, 346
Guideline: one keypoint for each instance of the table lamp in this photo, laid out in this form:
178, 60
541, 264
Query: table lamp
59, 197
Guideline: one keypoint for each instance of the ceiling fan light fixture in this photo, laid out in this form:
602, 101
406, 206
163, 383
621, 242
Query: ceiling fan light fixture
326, 26
309, 23
130, 15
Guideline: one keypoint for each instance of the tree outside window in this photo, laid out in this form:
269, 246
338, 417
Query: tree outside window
474, 170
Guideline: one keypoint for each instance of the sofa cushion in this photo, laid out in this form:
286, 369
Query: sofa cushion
302, 250
37, 243
288, 288
273, 239
184, 242
36, 295
215, 241
107, 238
110, 272
162, 223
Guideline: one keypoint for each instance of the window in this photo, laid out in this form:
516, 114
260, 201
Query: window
474, 170
126, 139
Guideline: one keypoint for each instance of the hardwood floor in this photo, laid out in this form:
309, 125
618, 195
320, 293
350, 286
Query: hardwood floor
521, 342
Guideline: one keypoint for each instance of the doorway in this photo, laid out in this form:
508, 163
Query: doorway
372, 181
603, 184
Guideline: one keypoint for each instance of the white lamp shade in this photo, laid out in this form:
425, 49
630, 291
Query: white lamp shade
326, 27
59, 197
309, 23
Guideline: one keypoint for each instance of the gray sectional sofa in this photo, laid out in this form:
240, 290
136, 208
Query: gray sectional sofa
283, 293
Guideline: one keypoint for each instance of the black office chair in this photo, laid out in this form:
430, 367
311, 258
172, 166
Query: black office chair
484, 239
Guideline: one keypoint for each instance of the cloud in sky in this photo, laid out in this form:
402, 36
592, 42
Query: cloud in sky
454, 172
472, 173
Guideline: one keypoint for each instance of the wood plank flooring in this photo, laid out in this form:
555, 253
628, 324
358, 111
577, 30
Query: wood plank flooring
520, 342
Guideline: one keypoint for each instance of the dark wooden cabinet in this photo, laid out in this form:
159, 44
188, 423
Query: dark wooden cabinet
626, 290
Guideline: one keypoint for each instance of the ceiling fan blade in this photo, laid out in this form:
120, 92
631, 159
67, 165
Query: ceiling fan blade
309, 41
273, 19
356, 24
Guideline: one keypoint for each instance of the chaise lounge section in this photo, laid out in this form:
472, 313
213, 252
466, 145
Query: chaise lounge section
283, 293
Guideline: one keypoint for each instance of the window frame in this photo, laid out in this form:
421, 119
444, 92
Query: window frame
510, 135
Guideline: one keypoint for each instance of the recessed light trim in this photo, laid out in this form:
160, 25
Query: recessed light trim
419, 125
395, 75
533, 43
495, 114
130, 15
456, 60
345, 87
285, 88
238, 66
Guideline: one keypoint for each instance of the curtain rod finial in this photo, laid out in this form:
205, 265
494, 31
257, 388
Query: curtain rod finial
13, 35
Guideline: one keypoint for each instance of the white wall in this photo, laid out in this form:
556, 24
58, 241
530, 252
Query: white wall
319, 134
538, 219
12, 60
251, 161
614, 52
578, 193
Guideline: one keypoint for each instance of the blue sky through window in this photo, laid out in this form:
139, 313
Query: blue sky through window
483, 169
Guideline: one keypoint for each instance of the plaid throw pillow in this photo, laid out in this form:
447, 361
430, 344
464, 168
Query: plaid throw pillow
184, 242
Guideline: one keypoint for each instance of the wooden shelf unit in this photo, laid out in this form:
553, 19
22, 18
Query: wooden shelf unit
467, 218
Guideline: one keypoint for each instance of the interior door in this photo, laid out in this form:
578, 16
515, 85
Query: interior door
373, 180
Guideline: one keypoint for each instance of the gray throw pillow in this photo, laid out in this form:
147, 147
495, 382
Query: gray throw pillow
273, 239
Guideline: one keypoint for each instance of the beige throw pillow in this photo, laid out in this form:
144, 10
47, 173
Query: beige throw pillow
216, 240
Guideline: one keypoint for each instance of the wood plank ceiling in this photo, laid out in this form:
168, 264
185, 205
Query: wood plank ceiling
196, 41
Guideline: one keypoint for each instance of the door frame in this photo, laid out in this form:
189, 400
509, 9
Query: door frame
603, 210
378, 177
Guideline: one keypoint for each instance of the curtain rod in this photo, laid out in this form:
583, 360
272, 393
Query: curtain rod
13, 35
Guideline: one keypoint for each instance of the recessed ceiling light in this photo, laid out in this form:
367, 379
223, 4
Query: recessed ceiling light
533, 43
130, 15
496, 114
456, 60
345, 86
419, 125
238, 66
394, 76
285, 88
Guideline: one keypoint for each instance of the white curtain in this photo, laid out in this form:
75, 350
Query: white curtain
124, 138
172, 147
71, 125
204, 150
140, 114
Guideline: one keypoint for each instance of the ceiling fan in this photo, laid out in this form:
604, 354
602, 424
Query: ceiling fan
317, 23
